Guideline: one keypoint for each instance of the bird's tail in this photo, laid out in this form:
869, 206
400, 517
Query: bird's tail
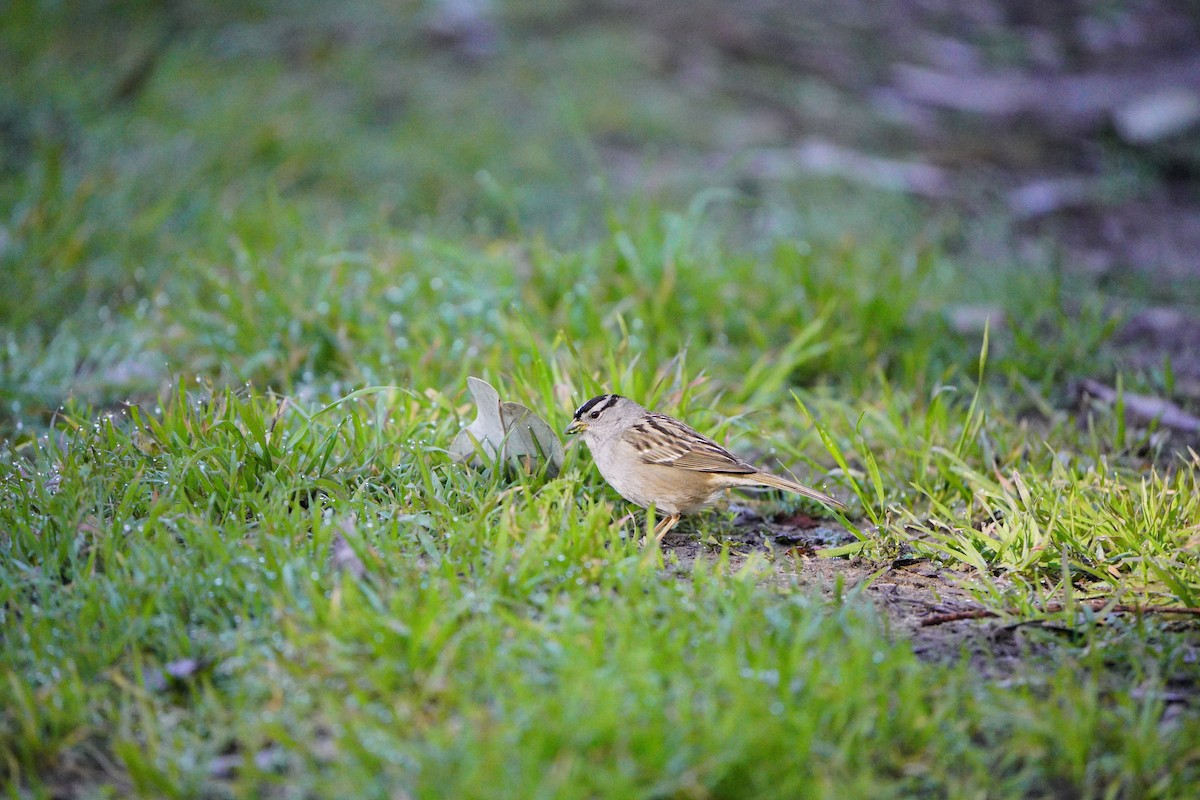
776, 482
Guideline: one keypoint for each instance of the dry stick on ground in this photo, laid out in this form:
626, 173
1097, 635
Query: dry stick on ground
1071, 103
1094, 605
1142, 409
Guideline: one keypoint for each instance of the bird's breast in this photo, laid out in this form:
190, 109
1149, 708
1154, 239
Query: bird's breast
669, 489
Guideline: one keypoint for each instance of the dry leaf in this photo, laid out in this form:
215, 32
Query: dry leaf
510, 430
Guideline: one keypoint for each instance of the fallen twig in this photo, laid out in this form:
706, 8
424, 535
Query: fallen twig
817, 156
1054, 608
1068, 102
1142, 409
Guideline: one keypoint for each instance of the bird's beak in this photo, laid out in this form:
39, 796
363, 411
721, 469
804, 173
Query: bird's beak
576, 426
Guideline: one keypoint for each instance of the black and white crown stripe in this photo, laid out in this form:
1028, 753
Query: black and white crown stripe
608, 400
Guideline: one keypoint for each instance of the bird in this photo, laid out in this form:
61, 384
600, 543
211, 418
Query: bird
652, 459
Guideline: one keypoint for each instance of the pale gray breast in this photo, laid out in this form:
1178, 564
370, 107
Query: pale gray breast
671, 489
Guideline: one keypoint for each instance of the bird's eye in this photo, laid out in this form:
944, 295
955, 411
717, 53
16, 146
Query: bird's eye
594, 415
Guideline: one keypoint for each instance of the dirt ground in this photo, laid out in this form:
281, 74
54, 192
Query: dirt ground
910, 594
926, 605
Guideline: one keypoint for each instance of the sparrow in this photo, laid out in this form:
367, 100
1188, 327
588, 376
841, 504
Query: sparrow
652, 459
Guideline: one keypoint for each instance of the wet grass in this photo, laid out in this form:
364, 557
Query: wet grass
243, 301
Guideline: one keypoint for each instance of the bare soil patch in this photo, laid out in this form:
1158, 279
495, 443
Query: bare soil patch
905, 592
914, 597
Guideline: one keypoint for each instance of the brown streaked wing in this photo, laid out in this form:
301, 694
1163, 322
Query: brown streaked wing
660, 439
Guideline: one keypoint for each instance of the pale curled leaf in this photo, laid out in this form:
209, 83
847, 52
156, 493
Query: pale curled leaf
487, 431
510, 429
530, 439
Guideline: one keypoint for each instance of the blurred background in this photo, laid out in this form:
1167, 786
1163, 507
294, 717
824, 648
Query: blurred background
155, 154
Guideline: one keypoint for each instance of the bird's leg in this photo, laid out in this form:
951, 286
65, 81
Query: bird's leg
664, 525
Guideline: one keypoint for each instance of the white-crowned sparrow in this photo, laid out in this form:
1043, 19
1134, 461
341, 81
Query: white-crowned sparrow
653, 459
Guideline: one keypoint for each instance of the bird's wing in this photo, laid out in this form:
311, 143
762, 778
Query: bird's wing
659, 439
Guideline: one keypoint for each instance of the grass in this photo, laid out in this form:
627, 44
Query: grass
237, 561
